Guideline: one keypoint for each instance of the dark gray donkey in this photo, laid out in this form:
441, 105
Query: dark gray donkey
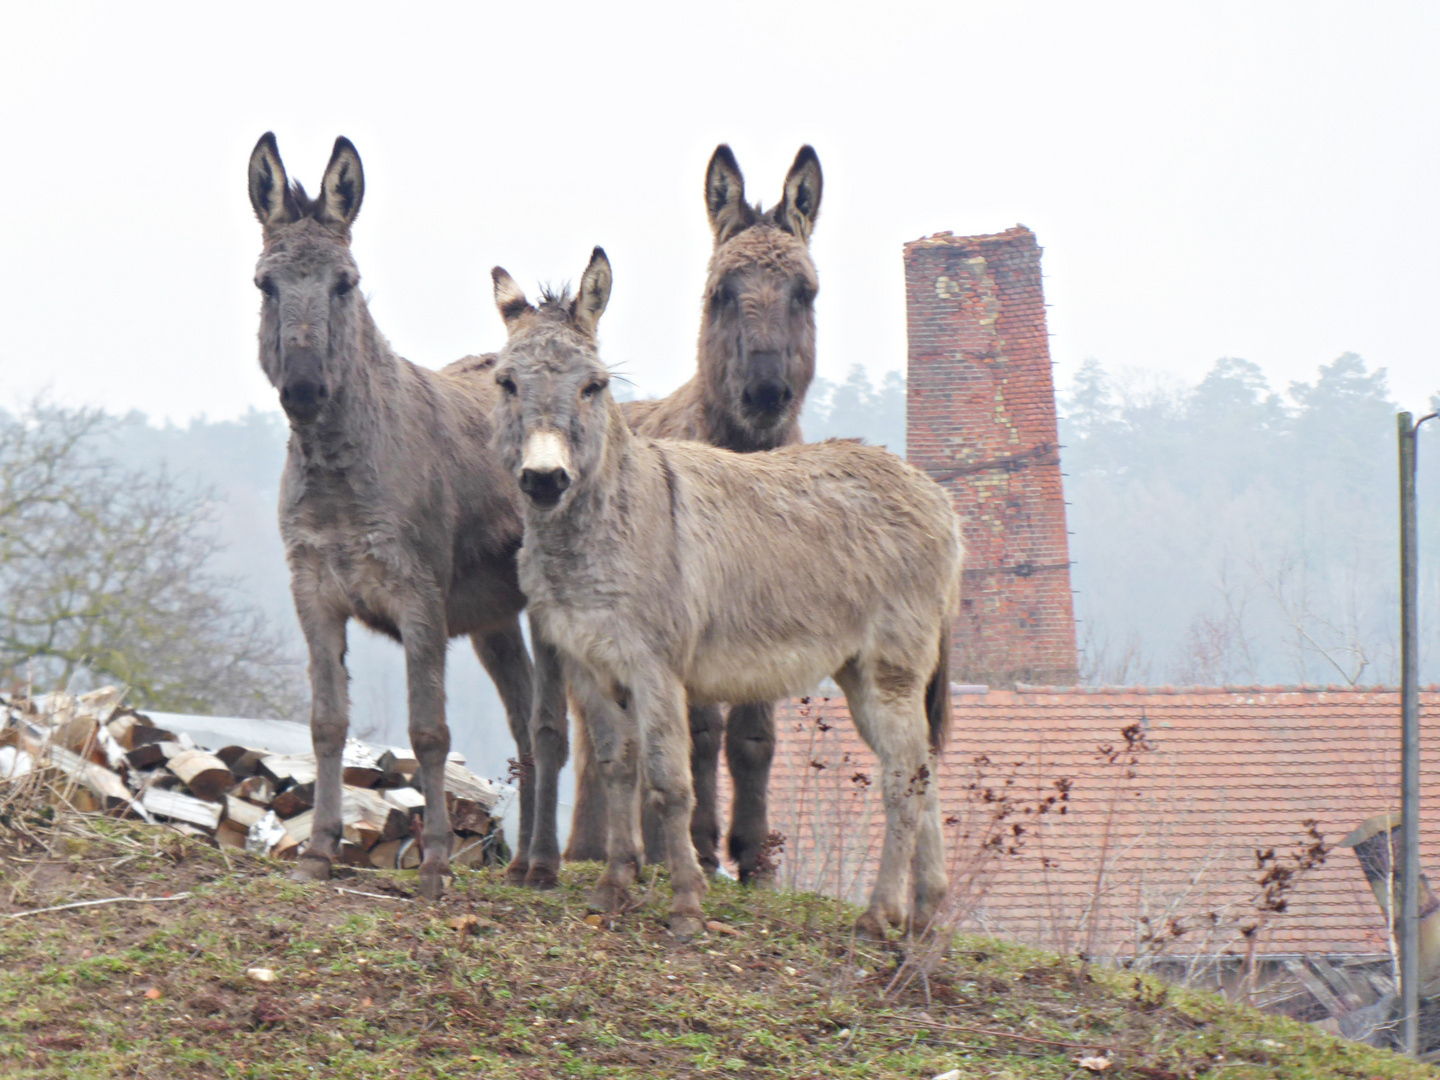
756, 361
394, 511
665, 570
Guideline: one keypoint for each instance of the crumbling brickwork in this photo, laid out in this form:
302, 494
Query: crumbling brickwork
981, 420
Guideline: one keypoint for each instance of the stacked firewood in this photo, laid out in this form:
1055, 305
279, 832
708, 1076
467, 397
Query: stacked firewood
111, 758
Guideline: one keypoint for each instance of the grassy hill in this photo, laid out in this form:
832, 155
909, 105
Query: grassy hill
367, 981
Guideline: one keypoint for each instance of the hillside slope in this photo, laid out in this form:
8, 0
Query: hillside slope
365, 981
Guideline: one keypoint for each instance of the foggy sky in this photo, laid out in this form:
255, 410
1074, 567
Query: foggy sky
1251, 180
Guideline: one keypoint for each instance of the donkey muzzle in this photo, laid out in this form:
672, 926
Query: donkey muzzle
545, 470
303, 391
766, 393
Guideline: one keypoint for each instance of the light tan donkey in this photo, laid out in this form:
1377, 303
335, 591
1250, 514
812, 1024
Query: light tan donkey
664, 570
755, 362
395, 512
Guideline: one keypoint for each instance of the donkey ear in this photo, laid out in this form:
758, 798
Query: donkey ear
269, 187
725, 195
594, 292
800, 205
509, 298
344, 185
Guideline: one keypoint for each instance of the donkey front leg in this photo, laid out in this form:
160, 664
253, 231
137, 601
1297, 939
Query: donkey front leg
329, 720
749, 750
423, 635
549, 736
664, 733
504, 658
614, 761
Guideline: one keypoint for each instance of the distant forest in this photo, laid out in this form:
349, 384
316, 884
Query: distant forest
1227, 533
1223, 533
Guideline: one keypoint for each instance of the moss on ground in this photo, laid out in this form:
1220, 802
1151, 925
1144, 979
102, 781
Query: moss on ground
501, 982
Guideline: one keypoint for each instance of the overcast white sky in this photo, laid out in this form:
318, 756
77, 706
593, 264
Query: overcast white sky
1255, 180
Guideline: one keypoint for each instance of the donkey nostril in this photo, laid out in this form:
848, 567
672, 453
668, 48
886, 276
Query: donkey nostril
544, 486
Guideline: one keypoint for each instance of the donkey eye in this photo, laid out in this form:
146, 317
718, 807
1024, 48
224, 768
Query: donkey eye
592, 388
343, 287
801, 296
267, 286
507, 384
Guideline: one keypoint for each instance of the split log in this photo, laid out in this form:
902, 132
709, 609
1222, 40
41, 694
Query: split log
145, 756
242, 813
283, 769
257, 789
161, 778
368, 819
404, 799
462, 783
203, 773
173, 804
100, 703
298, 828
240, 760
76, 733
363, 765
468, 816
142, 733
383, 854
294, 800
121, 728
230, 834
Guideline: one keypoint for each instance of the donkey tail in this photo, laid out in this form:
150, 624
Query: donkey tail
937, 695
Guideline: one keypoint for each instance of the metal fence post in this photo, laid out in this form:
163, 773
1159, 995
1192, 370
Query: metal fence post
1409, 743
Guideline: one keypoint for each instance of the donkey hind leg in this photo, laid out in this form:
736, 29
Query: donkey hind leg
423, 635
660, 709
749, 750
587, 821
706, 725
329, 721
504, 658
614, 761
927, 871
893, 724
549, 737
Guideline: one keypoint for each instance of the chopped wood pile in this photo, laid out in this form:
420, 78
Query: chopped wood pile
110, 758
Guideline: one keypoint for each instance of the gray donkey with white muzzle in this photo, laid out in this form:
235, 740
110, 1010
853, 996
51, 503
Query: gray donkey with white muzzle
662, 570
395, 512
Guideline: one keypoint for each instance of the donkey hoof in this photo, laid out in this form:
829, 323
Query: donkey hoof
541, 876
760, 879
432, 884
516, 871
311, 868
607, 899
686, 927
870, 927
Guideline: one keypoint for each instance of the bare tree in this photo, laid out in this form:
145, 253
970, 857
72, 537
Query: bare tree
104, 577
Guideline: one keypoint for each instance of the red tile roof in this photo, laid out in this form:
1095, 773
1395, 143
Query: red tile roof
1219, 775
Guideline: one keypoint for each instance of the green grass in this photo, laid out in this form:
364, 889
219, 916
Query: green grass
382, 988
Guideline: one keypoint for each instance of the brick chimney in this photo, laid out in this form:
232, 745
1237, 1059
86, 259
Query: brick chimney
980, 415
